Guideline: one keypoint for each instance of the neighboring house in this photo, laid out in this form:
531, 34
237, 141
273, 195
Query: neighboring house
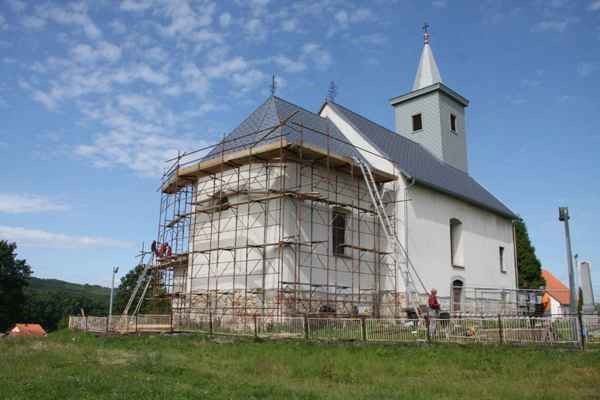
279, 218
556, 298
27, 330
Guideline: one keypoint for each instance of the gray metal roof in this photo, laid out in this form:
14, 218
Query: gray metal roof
310, 128
418, 163
266, 125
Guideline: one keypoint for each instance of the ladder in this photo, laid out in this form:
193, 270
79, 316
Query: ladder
138, 285
411, 278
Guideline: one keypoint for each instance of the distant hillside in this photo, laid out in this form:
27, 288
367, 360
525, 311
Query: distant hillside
51, 301
55, 285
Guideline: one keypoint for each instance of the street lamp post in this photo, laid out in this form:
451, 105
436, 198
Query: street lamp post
563, 215
112, 288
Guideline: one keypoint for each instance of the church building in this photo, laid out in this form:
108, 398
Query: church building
327, 212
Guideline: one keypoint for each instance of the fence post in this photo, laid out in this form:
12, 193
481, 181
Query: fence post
306, 327
136, 323
581, 332
210, 323
500, 330
255, 327
107, 322
86, 324
363, 328
171, 322
427, 325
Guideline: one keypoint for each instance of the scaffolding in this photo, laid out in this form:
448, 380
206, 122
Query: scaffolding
250, 228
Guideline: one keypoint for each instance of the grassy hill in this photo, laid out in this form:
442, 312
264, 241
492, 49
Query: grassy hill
73, 365
50, 301
75, 289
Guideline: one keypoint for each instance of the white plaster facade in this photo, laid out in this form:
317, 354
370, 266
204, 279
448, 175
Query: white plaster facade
424, 216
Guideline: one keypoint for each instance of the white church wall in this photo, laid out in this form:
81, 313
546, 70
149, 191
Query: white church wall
368, 151
483, 233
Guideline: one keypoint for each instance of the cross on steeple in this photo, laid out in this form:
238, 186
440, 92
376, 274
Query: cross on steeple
425, 33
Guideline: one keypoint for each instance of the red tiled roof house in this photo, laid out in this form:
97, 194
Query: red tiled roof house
556, 296
27, 330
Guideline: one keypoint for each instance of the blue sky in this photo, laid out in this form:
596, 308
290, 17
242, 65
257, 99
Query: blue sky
95, 95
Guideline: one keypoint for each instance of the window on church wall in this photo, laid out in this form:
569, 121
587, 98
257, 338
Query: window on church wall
453, 123
501, 258
457, 293
338, 232
417, 122
456, 243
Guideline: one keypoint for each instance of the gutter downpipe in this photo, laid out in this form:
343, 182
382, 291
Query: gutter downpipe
406, 189
514, 234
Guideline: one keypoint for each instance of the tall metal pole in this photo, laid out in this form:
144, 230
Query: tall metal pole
563, 215
112, 288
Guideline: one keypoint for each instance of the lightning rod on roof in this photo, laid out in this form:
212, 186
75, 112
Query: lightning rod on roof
332, 91
273, 85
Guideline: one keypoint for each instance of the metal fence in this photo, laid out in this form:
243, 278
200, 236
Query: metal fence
567, 330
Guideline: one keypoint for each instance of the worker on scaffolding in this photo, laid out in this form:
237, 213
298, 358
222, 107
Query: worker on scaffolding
434, 310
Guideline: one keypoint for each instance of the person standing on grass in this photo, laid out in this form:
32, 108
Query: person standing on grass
434, 310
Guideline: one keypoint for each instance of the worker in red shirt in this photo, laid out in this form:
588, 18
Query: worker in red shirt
434, 311
434, 304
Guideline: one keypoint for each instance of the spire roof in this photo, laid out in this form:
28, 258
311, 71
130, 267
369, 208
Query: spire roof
428, 72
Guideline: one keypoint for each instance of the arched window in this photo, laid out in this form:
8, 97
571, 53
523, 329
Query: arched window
457, 289
456, 243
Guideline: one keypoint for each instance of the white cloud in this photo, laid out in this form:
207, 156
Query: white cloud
2, 22
344, 17
249, 80
11, 203
227, 67
184, 18
33, 22
136, 5
553, 25
439, 3
289, 25
195, 80
317, 55
156, 54
585, 69
103, 51
255, 29
371, 39
594, 5
74, 14
17, 5
225, 20
118, 27
40, 238
288, 64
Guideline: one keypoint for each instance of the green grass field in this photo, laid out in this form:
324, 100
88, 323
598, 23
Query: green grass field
70, 365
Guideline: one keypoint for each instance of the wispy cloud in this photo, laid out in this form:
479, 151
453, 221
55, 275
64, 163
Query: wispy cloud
439, 3
554, 25
585, 69
12, 203
594, 5
41, 238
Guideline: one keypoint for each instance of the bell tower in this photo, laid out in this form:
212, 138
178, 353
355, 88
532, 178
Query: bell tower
432, 114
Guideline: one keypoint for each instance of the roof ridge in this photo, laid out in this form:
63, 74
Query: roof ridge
296, 105
374, 123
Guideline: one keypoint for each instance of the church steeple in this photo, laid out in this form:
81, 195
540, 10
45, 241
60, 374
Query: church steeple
427, 73
432, 114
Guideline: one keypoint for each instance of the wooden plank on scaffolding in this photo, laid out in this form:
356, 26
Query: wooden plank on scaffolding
203, 168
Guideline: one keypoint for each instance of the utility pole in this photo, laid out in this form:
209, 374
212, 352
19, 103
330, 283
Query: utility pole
563, 215
112, 288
